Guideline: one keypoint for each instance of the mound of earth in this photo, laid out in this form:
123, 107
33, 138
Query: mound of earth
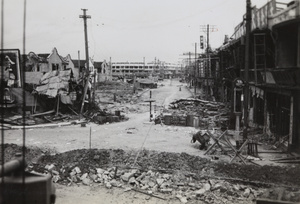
152, 160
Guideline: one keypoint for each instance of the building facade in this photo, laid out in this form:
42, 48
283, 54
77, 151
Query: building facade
157, 68
274, 70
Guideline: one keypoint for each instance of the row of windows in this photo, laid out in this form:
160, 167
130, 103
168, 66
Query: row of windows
131, 67
118, 71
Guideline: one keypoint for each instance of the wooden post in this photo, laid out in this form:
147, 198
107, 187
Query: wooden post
298, 59
246, 70
265, 113
93, 99
90, 137
195, 79
57, 107
291, 121
150, 110
78, 64
207, 65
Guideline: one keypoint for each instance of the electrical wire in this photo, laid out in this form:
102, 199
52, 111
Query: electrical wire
1, 101
138, 153
24, 103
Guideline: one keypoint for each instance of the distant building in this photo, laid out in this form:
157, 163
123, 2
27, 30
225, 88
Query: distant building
102, 69
159, 68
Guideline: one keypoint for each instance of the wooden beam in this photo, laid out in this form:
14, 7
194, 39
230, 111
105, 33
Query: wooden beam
291, 122
268, 201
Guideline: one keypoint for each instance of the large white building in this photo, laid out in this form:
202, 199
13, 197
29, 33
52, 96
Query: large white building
158, 68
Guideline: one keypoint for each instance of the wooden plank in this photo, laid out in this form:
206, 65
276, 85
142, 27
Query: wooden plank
291, 121
268, 201
288, 161
134, 189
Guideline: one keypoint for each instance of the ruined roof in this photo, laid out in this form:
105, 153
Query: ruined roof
53, 82
45, 55
33, 77
81, 63
97, 64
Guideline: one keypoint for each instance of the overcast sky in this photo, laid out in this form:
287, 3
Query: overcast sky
125, 30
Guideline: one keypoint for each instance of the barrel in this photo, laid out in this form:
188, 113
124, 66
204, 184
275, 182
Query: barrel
190, 120
196, 122
117, 113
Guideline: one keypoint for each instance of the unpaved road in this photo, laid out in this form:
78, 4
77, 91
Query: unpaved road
131, 134
136, 133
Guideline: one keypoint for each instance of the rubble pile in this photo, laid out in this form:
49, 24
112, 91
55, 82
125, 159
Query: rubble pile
176, 185
118, 96
168, 175
110, 91
198, 113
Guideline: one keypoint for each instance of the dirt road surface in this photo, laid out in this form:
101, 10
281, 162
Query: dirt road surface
136, 134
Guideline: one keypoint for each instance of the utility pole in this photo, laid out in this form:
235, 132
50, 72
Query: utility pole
110, 67
247, 65
85, 17
190, 67
208, 62
195, 77
207, 29
78, 63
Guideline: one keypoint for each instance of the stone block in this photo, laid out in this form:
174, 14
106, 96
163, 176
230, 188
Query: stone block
127, 176
160, 181
166, 190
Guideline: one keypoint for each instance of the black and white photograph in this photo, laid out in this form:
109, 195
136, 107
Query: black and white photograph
150, 101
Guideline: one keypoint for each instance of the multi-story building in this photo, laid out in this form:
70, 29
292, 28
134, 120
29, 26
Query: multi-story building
157, 68
274, 70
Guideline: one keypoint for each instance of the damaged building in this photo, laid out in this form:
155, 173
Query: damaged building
274, 71
49, 79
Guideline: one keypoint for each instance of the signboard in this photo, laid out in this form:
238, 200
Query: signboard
259, 19
10, 71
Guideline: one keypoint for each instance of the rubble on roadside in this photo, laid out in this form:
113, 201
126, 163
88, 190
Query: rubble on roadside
165, 175
196, 113
169, 175
172, 185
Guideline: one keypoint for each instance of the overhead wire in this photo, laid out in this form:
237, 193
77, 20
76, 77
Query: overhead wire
1, 101
142, 146
24, 101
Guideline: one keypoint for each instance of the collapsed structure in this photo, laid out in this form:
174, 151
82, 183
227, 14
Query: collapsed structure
274, 74
45, 75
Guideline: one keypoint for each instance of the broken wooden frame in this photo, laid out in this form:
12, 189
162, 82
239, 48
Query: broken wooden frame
217, 142
237, 151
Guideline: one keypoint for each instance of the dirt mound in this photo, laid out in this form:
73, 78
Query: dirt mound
151, 160
186, 176
31, 153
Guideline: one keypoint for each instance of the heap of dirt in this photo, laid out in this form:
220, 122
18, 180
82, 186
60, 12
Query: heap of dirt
86, 159
32, 154
180, 175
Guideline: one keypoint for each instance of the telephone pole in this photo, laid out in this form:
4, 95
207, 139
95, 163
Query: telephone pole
190, 68
85, 17
247, 65
195, 77
207, 29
